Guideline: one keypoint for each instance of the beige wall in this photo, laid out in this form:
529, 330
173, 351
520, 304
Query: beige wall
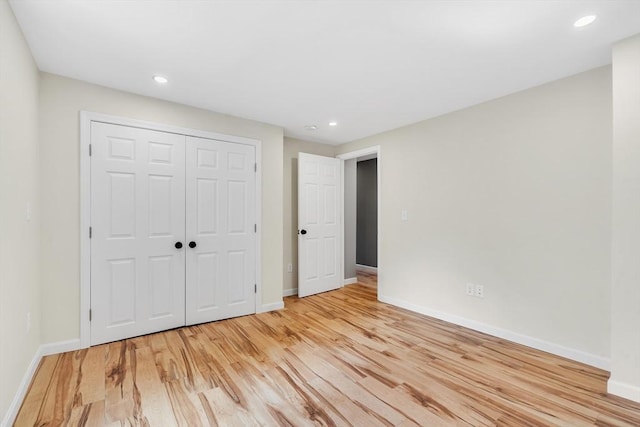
291, 149
513, 194
61, 100
625, 292
19, 239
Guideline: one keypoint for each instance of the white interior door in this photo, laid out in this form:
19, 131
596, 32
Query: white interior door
137, 216
318, 224
221, 217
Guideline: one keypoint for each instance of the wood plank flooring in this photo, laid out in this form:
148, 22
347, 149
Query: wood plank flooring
339, 358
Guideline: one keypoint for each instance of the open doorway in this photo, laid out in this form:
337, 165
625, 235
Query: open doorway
360, 209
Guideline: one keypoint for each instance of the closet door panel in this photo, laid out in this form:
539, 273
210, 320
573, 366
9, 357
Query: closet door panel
137, 216
220, 218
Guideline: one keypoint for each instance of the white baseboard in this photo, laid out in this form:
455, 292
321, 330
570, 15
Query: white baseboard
60, 347
41, 351
367, 268
350, 281
290, 292
14, 407
271, 307
627, 391
538, 344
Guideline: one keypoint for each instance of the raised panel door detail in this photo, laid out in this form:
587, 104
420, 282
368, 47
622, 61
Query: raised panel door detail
160, 153
237, 280
160, 202
312, 253
330, 171
122, 204
309, 167
207, 280
121, 148
206, 206
311, 204
122, 291
160, 281
207, 158
236, 194
329, 206
330, 252
236, 161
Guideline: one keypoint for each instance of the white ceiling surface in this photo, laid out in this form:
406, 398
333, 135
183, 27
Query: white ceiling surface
369, 65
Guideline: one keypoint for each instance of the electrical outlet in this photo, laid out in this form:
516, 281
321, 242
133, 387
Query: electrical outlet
289, 268
480, 291
471, 289
28, 322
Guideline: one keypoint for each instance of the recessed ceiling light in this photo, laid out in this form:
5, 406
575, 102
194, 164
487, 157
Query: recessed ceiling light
160, 79
333, 123
584, 21
311, 127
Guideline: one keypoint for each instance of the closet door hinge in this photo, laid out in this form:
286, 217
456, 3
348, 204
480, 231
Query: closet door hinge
90, 231
255, 167
255, 288
89, 149
90, 315
255, 228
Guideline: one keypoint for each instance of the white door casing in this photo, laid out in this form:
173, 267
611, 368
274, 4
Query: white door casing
319, 228
137, 216
220, 223
368, 151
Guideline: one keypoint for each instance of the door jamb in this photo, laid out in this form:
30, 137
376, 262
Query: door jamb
354, 155
86, 117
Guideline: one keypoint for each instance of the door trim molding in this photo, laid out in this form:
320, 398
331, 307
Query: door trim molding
86, 117
354, 155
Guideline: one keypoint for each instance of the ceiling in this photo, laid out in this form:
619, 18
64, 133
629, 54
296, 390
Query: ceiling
370, 66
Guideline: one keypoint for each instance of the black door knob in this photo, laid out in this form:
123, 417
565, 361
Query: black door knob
192, 244
178, 245
303, 231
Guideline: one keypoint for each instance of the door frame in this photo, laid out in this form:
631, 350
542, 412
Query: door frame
86, 117
354, 155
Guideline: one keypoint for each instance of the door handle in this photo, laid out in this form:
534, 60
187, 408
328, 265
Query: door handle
303, 231
192, 244
178, 245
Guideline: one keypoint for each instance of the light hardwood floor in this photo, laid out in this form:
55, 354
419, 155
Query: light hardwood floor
339, 358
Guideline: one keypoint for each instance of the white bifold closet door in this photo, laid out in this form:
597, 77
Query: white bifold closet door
172, 223
220, 224
137, 216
